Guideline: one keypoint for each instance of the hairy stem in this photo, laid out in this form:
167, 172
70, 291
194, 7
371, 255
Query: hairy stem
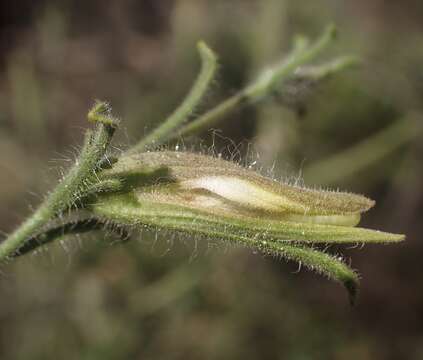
51, 234
72, 187
181, 114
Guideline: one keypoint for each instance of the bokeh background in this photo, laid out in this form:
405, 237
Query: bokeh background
160, 297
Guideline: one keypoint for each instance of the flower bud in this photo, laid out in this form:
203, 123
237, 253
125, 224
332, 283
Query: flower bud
208, 196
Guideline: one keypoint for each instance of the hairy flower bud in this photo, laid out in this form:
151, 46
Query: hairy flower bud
212, 197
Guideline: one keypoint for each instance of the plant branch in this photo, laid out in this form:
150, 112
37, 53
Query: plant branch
323, 71
268, 82
181, 114
80, 177
51, 234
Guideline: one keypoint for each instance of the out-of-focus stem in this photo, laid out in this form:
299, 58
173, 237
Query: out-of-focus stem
266, 83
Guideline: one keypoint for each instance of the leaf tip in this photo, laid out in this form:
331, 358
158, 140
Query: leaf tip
206, 52
101, 112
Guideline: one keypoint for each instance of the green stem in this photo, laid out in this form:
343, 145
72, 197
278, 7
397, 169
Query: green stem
272, 77
72, 187
265, 84
51, 234
320, 72
181, 114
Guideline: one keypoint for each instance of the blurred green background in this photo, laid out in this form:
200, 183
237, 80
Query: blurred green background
161, 297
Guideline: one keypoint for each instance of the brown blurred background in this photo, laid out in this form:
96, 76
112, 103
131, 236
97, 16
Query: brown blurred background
165, 298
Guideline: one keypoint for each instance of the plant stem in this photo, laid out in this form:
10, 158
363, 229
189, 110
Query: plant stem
72, 187
265, 84
49, 235
320, 72
181, 114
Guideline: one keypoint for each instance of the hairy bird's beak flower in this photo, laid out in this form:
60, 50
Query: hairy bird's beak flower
211, 197
202, 195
